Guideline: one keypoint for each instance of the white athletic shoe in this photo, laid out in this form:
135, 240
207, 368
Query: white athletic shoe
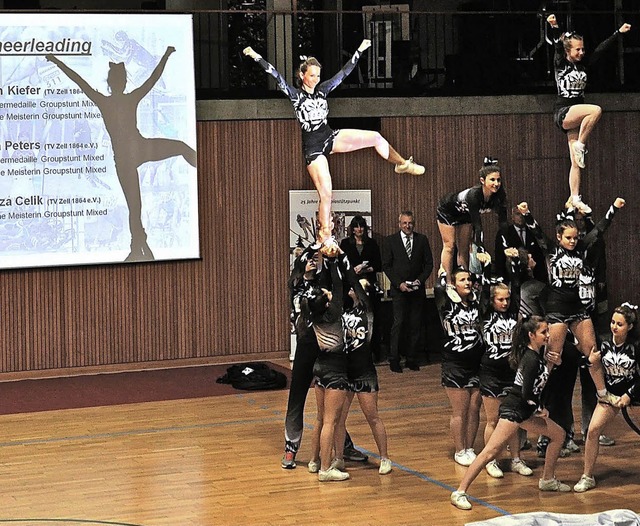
553, 485
460, 501
494, 470
584, 484
579, 151
519, 467
409, 167
385, 466
332, 475
462, 458
580, 206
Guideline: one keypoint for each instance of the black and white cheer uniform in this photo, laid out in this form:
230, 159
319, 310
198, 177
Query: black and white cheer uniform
563, 303
523, 397
571, 77
312, 109
467, 206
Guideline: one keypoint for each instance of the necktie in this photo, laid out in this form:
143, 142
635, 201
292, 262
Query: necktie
523, 236
407, 246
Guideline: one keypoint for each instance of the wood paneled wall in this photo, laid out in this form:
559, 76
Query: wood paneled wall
232, 303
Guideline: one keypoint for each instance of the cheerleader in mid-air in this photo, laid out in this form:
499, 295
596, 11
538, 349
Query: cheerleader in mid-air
575, 118
318, 139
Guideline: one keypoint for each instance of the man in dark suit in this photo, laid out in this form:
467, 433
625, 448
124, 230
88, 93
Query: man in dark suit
517, 236
407, 261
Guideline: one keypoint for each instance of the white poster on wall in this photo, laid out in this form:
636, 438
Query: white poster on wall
97, 139
303, 214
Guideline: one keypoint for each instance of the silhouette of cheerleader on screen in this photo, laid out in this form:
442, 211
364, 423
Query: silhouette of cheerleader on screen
130, 148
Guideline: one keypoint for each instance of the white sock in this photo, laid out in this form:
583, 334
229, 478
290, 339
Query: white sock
579, 145
602, 392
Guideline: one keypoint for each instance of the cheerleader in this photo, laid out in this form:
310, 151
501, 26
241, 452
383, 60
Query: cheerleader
563, 306
324, 308
521, 408
318, 139
575, 118
496, 375
461, 354
363, 378
619, 355
458, 217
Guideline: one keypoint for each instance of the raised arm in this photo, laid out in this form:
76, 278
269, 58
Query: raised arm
155, 75
604, 223
283, 85
598, 52
555, 34
542, 240
329, 85
82, 84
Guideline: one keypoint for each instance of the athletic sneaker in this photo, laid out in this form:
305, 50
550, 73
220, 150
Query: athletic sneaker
288, 460
460, 501
584, 484
572, 446
351, 453
609, 398
519, 467
313, 466
494, 470
579, 152
553, 485
338, 463
332, 475
565, 452
385, 466
462, 458
471, 453
453, 294
604, 440
581, 207
330, 247
409, 167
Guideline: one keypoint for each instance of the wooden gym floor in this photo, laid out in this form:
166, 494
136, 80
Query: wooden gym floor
216, 461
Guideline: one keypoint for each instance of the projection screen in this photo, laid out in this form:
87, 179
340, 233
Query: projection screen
97, 139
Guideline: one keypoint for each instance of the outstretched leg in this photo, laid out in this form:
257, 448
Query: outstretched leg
349, 140
158, 149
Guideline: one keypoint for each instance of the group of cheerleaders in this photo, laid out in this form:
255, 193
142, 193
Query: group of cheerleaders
493, 354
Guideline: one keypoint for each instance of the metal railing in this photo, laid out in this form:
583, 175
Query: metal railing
414, 53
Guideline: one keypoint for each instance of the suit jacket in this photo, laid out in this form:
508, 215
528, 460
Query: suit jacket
510, 238
397, 265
